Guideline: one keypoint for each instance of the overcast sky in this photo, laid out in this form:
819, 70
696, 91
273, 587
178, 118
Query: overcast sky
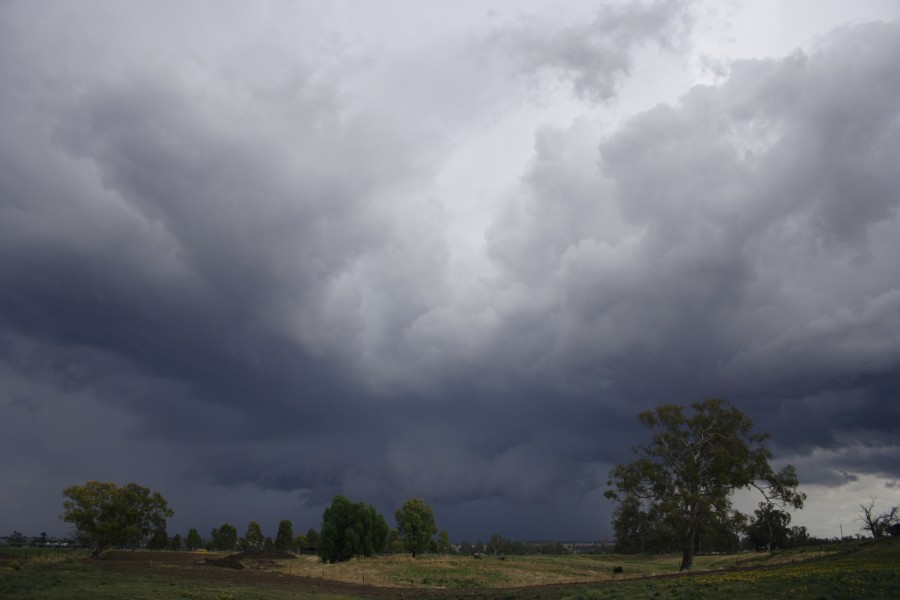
256, 254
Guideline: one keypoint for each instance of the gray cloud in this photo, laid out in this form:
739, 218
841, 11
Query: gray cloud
233, 273
596, 56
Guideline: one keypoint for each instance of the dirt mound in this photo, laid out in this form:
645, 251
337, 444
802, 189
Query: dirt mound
251, 555
229, 562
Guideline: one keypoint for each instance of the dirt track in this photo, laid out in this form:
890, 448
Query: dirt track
201, 567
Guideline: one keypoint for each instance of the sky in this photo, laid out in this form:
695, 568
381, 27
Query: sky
257, 254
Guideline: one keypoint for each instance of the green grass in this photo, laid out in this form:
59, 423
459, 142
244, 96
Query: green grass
858, 570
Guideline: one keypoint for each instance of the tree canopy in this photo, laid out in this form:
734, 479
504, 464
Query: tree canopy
224, 537
351, 529
105, 514
415, 524
284, 539
253, 539
193, 541
769, 527
682, 482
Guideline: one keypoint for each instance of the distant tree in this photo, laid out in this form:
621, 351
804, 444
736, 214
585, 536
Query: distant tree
394, 545
175, 543
313, 538
16, 538
443, 542
105, 514
301, 543
769, 528
415, 523
495, 544
879, 525
159, 539
351, 529
253, 539
693, 464
225, 537
193, 541
641, 529
466, 549
284, 540
798, 536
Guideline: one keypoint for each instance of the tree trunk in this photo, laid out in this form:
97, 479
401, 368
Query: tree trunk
687, 556
690, 540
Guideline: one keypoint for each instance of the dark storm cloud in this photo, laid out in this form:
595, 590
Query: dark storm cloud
248, 272
752, 247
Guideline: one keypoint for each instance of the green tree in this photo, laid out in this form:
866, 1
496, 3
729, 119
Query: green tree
443, 542
693, 464
643, 530
313, 538
105, 514
253, 539
798, 536
159, 539
284, 539
394, 546
176, 543
193, 541
225, 537
415, 523
351, 529
769, 527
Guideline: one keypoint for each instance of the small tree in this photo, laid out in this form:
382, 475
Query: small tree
105, 514
159, 539
224, 537
284, 539
415, 523
313, 538
175, 543
693, 464
494, 544
253, 539
394, 545
879, 525
769, 528
16, 538
193, 541
443, 542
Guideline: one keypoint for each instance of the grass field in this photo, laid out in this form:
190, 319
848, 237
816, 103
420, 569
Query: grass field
854, 570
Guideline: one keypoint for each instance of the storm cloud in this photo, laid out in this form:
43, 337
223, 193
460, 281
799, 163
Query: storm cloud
247, 252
